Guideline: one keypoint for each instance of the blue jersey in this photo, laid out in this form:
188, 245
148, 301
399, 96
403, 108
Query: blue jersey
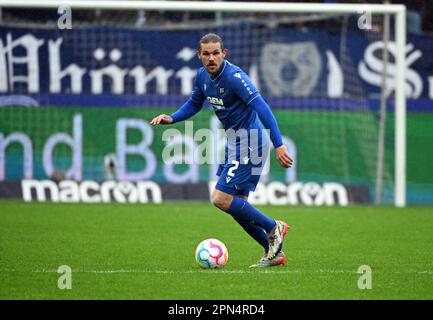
229, 94
238, 105
235, 99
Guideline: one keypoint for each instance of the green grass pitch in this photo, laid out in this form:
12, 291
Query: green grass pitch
147, 252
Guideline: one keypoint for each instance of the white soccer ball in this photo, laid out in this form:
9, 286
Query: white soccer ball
211, 253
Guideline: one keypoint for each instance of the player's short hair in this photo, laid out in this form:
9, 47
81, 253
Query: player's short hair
211, 38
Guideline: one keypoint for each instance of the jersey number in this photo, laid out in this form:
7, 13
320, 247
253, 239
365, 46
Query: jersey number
236, 165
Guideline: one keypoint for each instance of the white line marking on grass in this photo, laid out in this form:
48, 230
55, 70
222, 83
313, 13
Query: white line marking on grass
215, 271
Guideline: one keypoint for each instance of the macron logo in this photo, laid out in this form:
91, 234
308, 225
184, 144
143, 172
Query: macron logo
238, 75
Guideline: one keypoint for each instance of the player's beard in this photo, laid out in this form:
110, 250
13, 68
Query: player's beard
213, 69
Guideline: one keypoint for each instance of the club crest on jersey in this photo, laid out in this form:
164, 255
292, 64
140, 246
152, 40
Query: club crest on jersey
222, 90
216, 103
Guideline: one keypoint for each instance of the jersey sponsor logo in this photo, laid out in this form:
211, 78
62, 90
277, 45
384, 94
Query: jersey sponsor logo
216, 103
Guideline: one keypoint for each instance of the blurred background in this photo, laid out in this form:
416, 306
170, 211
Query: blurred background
78, 88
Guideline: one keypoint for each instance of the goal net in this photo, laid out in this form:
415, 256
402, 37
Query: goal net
79, 83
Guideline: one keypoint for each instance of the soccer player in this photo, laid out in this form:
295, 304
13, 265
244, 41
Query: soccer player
239, 106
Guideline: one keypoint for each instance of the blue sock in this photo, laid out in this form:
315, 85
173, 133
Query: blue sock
257, 233
241, 209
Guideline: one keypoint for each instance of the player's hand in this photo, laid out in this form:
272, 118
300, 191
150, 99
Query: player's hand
283, 156
161, 119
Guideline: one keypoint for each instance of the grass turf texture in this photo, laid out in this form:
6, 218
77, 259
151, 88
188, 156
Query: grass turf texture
147, 252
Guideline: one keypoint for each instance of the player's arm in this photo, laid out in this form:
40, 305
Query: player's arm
267, 117
186, 111
246, 90
161, 119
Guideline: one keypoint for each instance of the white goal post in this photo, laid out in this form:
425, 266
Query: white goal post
398, 11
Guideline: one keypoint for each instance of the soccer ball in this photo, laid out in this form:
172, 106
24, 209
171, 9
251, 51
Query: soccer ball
211, 253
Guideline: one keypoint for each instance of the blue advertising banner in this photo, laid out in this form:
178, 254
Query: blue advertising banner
106, 66
136, 74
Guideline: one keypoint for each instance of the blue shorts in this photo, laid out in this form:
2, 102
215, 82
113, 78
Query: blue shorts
236, 181
240, 173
